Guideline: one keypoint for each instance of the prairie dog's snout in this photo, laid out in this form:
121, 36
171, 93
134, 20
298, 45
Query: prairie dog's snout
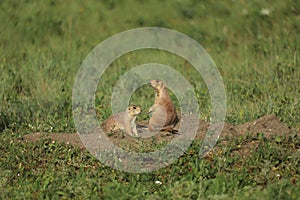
134, 110
157, 84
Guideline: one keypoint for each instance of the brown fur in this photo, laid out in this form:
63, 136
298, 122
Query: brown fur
164, 116
124, 121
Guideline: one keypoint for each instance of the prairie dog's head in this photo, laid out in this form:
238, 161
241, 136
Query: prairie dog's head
134, 110
157, 84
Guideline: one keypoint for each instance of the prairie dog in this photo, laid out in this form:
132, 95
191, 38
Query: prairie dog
164, 115
124, 121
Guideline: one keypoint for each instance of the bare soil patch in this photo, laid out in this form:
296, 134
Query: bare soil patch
269, 126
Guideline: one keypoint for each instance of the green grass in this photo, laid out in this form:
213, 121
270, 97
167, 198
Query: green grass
42, 44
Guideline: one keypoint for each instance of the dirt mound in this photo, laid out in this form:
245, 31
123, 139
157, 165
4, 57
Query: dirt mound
68, 138
268, 125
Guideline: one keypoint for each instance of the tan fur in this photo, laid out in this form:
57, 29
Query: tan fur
164, 116
124, 121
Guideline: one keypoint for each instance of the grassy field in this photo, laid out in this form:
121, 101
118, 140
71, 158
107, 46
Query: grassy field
255, 45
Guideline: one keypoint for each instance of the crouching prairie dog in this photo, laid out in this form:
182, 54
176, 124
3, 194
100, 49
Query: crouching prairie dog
164, 116
124, 121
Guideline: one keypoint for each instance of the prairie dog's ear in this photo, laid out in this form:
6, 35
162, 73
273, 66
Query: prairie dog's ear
161, 83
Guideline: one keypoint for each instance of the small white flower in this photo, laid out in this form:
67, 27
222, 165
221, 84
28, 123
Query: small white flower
265, 11
158, 182
245, 12
278, 175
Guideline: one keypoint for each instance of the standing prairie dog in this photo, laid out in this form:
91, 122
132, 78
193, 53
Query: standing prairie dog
164, 116
124, 121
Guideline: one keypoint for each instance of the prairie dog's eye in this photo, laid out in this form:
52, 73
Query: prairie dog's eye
134, 107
